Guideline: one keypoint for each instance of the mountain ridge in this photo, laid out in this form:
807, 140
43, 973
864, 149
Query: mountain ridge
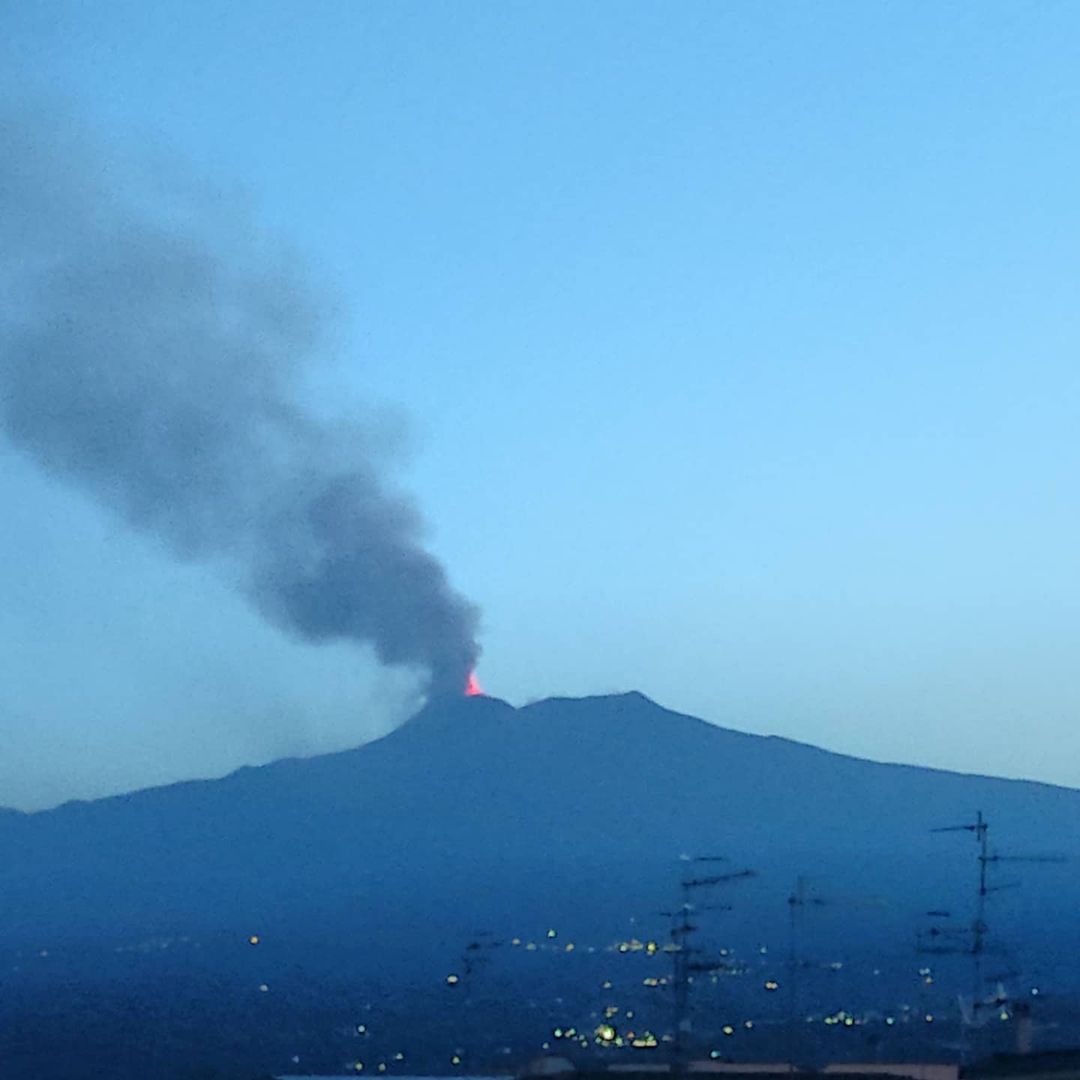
461, 707
470, 796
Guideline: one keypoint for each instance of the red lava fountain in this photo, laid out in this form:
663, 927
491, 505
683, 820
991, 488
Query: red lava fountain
473, 687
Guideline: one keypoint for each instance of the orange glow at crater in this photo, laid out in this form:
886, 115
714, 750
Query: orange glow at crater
473, 687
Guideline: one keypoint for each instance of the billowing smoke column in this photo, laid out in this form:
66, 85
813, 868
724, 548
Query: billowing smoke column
152, 353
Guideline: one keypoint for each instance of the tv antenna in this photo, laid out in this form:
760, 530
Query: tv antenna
686, 958
976, 936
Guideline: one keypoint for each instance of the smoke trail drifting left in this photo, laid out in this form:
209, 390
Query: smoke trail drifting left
153, 357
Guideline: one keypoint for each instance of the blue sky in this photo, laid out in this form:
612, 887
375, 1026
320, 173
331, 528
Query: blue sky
735, 347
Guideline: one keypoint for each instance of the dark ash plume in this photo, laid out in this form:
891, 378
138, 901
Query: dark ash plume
152, 354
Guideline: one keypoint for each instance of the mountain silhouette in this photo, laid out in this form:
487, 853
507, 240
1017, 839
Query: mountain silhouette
477, 823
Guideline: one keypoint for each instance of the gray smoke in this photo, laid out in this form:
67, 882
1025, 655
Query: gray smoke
152, 353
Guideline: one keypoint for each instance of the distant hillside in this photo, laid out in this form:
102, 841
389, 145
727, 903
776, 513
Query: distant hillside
384, 861
473, 792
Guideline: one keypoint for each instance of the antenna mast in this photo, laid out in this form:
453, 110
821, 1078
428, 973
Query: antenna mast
980, 828
683, 953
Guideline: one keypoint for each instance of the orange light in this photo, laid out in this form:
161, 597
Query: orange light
473, 687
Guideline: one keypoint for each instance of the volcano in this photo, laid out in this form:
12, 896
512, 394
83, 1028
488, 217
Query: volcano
381, 864
471, 793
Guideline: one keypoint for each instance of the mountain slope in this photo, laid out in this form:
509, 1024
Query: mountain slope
364, 877
473, 794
